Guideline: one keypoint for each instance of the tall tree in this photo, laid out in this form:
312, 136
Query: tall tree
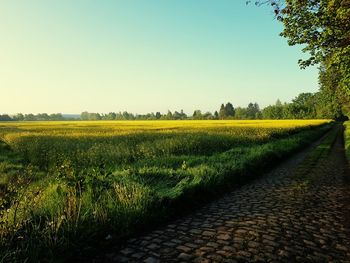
197, 115
168, 116
252, 111
110, 116
222, 112
323, 28
19, 117
241, 113
216, 115
229, 110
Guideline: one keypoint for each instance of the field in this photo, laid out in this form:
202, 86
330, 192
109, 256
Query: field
66, 187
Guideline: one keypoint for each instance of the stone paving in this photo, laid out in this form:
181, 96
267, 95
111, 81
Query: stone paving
278, 218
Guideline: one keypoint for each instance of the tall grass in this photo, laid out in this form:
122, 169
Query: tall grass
347, 138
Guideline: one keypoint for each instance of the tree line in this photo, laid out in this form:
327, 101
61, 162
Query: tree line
32, 117
176, 115
319, 105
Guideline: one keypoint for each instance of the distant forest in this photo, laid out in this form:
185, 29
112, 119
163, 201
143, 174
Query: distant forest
305, 106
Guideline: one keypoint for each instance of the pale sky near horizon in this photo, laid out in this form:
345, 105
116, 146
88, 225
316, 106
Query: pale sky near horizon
144, 56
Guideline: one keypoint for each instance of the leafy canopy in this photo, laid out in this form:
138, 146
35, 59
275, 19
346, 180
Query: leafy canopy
322, 27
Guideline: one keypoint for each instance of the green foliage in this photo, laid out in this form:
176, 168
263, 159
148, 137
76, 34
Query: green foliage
197, 115
222, 112
323, 28
320, 105
347, 138
325, 104
229, 110
252, 111
5, 117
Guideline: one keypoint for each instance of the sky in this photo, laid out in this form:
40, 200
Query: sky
144, 56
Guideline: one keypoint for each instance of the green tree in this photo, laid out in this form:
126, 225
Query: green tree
197, 115
229, 110
329, 100
305, 106
273, 112
56, 117
241, 113
158, 115
168, 116
42, 117
222, 112
208, 116
177, 115
94, 116
5, 117
323, 28
29, 117
84, 116
110, 116
127, 116
183, 115
216, 115
252, 111
18, 117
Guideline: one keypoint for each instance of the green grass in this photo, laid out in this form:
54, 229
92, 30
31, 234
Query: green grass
304, 172
347, 138
67, 189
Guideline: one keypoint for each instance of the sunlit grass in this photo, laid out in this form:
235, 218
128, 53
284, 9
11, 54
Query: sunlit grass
347, 138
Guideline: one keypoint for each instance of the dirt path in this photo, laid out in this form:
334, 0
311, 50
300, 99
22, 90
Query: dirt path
299, 212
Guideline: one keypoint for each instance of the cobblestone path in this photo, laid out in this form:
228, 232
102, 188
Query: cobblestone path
282, 217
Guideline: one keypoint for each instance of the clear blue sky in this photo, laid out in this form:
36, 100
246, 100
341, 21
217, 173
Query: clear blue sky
143, 56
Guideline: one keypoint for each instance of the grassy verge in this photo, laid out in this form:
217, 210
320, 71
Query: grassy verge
70, 212
304, 175
347, 138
